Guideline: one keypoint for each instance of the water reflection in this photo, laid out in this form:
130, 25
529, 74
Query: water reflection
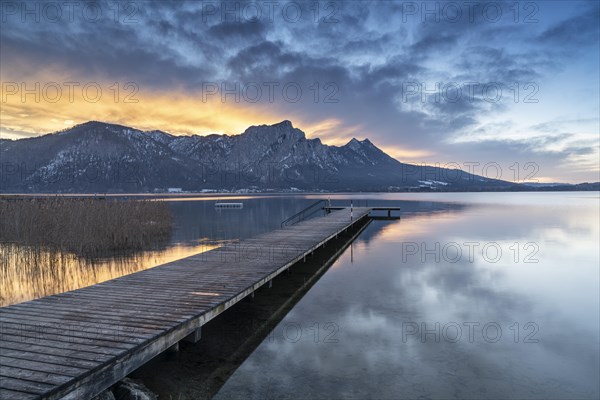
527, 329
400, 296
198, 370
27, 273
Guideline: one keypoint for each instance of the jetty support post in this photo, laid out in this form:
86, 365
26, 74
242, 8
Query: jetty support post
193, 337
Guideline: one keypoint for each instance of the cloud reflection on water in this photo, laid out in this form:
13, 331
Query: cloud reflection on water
372, 295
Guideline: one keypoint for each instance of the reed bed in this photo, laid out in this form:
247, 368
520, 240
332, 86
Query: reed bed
85, 226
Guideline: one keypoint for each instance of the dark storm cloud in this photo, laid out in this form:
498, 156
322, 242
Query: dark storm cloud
497, 65
264, 61
102, 49
455, 108
434, 42
134, 63
246, 30
376, 44
582, 29
174, 44
369, 50
506, 152
393, 70
142, 49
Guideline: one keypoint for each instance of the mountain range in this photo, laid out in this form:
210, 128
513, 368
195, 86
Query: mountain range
101, 157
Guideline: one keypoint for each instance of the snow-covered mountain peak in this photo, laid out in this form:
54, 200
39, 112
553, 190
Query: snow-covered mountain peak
96, 156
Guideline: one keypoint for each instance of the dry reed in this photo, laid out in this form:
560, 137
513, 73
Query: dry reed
85, 226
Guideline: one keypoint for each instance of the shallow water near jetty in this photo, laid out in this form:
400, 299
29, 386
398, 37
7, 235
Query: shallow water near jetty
483, 295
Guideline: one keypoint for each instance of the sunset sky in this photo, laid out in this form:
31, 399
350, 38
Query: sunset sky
428, 82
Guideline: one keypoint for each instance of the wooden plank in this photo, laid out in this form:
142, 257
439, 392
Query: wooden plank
71, 354
45, 367
59, 312
127, 319
30, 375
118, 301
24, 385
82, 331
129, 304
7, 394
39, 353
17, 334
145, 294
62, 346
68, 303
68, 327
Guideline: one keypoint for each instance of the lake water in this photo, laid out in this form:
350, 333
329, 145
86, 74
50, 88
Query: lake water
484, 295
498, 298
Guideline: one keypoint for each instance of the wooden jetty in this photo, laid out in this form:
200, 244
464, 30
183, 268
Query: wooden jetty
74, 345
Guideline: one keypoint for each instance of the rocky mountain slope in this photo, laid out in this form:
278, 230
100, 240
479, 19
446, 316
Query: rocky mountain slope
101, 157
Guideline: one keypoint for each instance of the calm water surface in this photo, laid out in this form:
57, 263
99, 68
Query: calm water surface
409, 312
467, 296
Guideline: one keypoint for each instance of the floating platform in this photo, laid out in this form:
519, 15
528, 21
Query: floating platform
229, 205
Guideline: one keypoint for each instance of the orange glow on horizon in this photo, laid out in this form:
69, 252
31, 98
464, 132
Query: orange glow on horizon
176, 112
411, 156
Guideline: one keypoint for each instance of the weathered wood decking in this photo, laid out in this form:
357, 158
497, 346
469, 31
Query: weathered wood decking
75, 344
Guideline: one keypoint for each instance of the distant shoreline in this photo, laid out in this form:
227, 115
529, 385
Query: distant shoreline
593, 188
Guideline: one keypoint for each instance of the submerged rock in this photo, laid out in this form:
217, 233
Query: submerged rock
129, 389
